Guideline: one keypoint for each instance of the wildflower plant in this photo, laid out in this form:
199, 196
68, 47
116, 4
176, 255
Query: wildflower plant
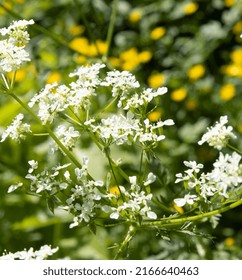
110, 109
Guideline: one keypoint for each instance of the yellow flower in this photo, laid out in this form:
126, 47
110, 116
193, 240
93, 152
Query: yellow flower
227, 92
6, 4
144, 56
156, 80
240, 128
178, 209
135, 16
229, 241
80, 59
76, 29
114, 190
101, 46
53, 77
236, 56
237, 28
191, 104
115, 62
19, 75
179, 94
80, 44
196, 72
232, 70
157, 33
154, 116
229, 3
190, 8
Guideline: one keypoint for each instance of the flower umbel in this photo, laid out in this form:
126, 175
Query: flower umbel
218, 135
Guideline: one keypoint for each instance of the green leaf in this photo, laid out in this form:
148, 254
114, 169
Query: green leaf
8, 112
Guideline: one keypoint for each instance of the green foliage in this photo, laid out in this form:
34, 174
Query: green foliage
195, 49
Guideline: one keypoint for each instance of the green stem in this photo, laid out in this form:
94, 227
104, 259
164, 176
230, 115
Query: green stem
111, 27
125, 243
234, 149
112, 170
168, 221
5, 81
51, 133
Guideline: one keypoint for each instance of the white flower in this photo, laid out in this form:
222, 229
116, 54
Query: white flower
218, 135
17, 130
188, 199
67, 135
150, 179
51, 100
12, 188
121, 82
193, 166
30, 254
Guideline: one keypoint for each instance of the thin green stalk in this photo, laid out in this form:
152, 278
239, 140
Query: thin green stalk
5, 81
125, 243
234, 149
111, 27
166, 221
114, 176
51, 133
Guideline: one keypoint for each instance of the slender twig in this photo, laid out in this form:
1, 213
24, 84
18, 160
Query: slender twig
125, 243
234, 149
167, 221
111, 27
46, 127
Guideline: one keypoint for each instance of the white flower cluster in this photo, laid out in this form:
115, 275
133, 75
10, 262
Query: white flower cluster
51, 181
67, 135
56, 98
12, 49
17, 130
85, 196
120, 129
43, 253
225, 176
135, 202
218, 135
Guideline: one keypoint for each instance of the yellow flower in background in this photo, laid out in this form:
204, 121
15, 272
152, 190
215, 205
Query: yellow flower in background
233, 70
157, 33
135, 16
80, 59
237, 28
229, 241
114, 61
191, 104
229, 3
196, 72
179, 94
227, 92
80, 44
190, 8
155, 115
240, 128
76, 29
131, 58
6, 4
236, 56
144, 56
156, 80
19, 75
53, 77
102, 47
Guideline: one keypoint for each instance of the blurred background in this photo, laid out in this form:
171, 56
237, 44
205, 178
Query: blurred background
191, 47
